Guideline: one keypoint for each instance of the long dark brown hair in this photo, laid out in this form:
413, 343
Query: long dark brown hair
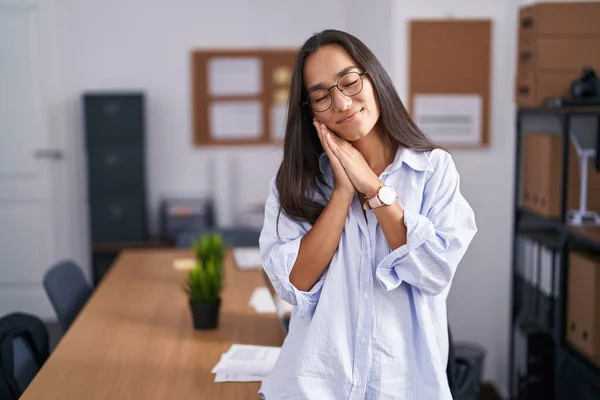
299, 171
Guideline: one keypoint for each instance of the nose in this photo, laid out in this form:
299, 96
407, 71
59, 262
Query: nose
340, 102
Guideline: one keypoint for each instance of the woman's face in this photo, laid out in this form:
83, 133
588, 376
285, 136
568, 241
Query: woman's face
350, 117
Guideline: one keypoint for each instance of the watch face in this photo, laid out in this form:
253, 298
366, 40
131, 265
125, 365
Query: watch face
387, 195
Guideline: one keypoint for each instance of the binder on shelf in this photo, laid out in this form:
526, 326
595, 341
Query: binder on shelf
537, 275
583, 304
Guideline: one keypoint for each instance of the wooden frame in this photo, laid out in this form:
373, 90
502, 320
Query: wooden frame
273, 92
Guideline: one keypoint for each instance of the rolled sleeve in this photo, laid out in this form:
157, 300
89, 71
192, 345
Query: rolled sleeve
437, 238
279, 250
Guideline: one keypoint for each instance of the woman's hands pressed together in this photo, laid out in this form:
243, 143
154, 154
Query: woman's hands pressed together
342, 181
347, 162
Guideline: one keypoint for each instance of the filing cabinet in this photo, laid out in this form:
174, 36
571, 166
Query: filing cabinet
114, 117
555, 42
564, 18
542, 173
534, 87
118, 218
115, 147
115, 167
559, 53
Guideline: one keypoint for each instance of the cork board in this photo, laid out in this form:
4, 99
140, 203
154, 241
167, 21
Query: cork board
449, 80
239, 97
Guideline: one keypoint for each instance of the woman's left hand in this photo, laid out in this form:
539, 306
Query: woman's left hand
362, 176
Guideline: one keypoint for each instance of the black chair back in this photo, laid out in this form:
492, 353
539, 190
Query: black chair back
24, 348
67, 290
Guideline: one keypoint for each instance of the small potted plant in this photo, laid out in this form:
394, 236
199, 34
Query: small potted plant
205, 279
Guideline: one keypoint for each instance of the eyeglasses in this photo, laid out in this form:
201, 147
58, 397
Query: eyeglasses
349, 84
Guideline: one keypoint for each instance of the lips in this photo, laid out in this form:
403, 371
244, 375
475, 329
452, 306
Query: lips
349, 116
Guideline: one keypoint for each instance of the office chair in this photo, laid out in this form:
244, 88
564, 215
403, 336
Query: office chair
24, 348
235, 236
67, 290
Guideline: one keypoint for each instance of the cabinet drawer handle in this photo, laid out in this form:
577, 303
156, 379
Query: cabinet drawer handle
526, 56
523, 90
527, 23
111, 108
116, 212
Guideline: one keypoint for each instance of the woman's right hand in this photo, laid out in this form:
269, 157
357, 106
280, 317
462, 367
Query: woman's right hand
343, 184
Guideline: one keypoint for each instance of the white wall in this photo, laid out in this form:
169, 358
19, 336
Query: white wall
146, 45
136, 44
479, 302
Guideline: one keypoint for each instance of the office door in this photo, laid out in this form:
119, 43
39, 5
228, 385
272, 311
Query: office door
31, 159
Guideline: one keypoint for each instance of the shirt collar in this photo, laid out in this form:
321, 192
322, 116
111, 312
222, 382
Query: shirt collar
417, 160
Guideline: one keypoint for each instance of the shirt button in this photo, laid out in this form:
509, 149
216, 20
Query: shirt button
366, 296
363, 340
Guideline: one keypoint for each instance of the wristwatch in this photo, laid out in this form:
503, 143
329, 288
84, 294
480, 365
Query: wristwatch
386, 195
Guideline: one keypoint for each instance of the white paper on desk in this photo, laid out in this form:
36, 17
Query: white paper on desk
247, 360
262, 301
237, 378
184, 264
283, 307
247, 257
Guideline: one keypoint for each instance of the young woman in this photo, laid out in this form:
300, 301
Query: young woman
364, 227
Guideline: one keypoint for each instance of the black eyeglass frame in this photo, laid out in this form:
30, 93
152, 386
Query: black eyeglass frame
360, 75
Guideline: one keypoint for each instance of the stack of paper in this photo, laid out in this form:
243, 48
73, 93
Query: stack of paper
247, 257
262, 301
246, 363
283, 308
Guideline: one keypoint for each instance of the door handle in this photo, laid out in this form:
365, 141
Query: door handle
50, 154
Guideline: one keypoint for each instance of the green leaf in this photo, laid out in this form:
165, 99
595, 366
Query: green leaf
205, 280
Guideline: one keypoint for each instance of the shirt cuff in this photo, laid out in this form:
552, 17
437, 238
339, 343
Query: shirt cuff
304, 301
307, 301
419, 229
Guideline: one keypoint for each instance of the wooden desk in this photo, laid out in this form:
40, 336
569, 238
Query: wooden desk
135, 340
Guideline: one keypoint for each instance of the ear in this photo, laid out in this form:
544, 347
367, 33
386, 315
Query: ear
312, 114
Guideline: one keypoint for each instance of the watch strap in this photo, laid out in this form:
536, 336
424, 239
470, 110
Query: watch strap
374, 202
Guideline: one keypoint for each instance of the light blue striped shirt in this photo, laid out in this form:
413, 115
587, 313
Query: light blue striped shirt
374, 326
